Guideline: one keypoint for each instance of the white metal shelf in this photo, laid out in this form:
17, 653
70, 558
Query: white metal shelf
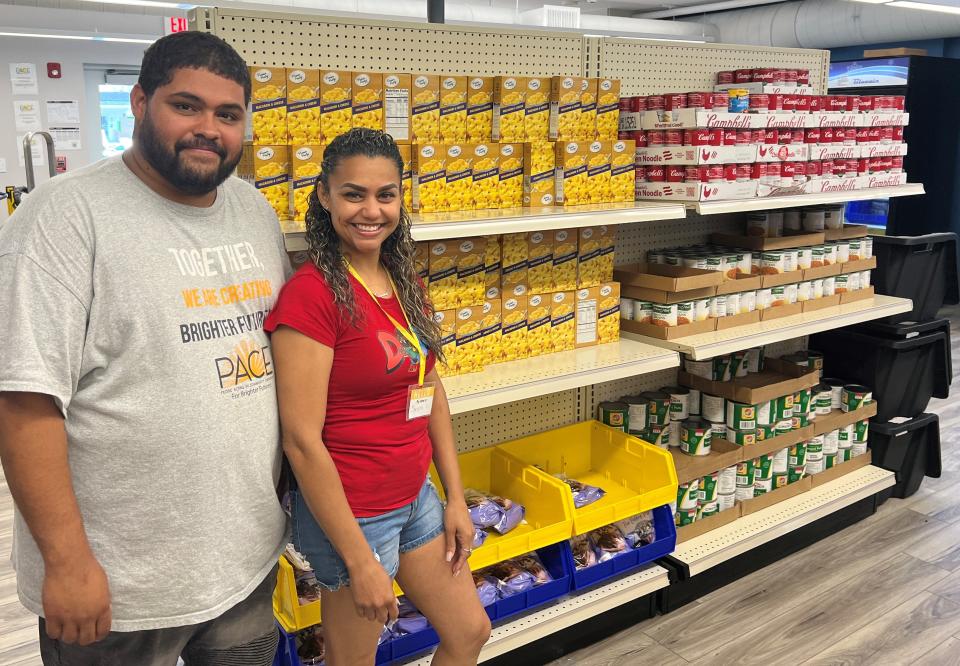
541, 375
715, 343
726, 542
464, 224
770, 203
567, 612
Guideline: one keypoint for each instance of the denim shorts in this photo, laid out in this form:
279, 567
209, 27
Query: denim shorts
389, 534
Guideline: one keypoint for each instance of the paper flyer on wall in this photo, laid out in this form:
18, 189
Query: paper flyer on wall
66, 138
23, 78
26, 115
63, 112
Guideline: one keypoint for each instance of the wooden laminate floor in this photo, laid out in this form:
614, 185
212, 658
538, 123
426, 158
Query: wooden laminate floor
884, 591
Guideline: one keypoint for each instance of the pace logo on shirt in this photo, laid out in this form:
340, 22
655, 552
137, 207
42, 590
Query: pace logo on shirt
247, 362
396, 348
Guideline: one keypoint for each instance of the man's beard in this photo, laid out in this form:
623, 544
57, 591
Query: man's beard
170, 165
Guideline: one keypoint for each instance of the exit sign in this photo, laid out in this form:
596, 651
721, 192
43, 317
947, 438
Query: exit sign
174, 24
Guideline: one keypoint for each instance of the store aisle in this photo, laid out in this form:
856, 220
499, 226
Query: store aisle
886, 590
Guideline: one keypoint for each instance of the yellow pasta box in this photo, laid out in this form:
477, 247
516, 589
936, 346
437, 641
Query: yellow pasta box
367, 100
429, 177
538, 173
565, 107
588, 257
513, 248
303, 107
539, 340
563, 325
490, 331
540, 262
458, 192
486, 176
307, 161
453, 109
608, 241
571, 173
492, 267
511, 175
587, 124
480, 109
608, 313
421, 260
471, 275
268, 169
442, 277
513, 337
447, 319
336, 115
509, 95
608, 109
588, 301
565, 259
425, 108
622, 170
469, 332
598, 172
406, 176
396, 106
536, 109
268, 101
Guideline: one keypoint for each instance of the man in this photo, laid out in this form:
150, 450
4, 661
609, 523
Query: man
138, 426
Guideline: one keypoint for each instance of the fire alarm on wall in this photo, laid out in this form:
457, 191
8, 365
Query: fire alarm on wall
53, 70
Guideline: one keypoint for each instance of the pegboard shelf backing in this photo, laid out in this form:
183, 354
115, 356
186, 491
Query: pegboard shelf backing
274, 39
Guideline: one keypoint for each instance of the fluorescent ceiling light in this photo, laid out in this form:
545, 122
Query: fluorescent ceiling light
84, 38
906, 4
873, 2
144, 3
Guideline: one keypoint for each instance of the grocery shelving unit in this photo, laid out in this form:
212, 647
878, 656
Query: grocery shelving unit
512, 400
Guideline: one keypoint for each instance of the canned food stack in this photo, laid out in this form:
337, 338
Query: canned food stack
653, 416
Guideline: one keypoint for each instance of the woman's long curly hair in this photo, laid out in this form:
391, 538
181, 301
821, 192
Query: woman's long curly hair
396, 253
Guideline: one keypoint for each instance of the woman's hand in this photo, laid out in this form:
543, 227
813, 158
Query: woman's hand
373, 594
459, 530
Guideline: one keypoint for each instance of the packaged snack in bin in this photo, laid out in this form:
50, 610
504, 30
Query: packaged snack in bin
310, 646
479, 536
584, 554
638, 530
492, 511
519, 574
409, 620
583, 494
486, 590
609, 542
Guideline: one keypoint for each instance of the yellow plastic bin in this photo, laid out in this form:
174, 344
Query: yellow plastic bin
635, 475
286, 604
548, 517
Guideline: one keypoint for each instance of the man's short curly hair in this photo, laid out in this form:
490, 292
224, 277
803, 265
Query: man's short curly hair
191, 50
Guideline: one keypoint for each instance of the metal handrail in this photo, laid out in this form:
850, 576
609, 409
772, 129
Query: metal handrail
28, 157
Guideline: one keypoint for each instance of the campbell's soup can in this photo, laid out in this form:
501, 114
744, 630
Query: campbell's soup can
789, 104
744, 137
758, 136
730, 173
899, 103
699, 100
836, 103
896, 164
866, 103
798, 137
790, 77
743, 76
764, 75
828, 135
639, 103
655, 138
673, 138
884, 134
814, 170
784, 136
656, 173
674, 101
803, 103
803, 77
770, 136
696, 137
774, 172
694, 173
886, 163
729, 137
863, 135
640, 138
849, 136
675, 173
826, 168
816, 103
875, 134
898, 134
759, 103
721, 102
715, 173
759, 171
716, 137
852, 104
655, 102
640, 174
725, 77
851, 167
813, 135
788, 171
744, 172
776, 102
864, 166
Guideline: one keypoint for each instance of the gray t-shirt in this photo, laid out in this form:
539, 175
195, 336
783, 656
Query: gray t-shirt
143, 318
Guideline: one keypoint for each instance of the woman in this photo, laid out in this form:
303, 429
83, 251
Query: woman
354, 346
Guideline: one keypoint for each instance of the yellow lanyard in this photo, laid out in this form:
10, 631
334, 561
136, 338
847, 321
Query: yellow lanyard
408, 332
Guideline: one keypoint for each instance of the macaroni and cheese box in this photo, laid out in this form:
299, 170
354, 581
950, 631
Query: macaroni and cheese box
571, 173
429, 177
421, 260
563, 325
471, 275
367, 100
425, 108
442, 278
486, 176
480, 109
490, 331
509, 95
303, 107
536, 110
267, 168
588, 302
336, 115
539, 339
513, 339
587, 124
469, 333
406, 176
459, 187
511, 175
492, 267
538, 173
608, 109
608, 313
268, 101
453, 109
540, 262
608, 241
307, 161
514, 260
565, 259
588, 257
598, 172
396, 106
565, 107
622, 170
447, 319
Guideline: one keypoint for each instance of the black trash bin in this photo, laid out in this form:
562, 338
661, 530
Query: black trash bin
906, 330
903, 374
921, 268
911, 449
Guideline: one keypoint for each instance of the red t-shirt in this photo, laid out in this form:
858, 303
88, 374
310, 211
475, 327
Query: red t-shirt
382, 458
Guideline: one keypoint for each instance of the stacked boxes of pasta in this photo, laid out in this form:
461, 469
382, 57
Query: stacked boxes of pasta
490, 330
538, 173
458, 193
336, 114
486, 174
446, 319
587, 122
511, 175
562, 321
492, 268
307, 161
469, 335
565, 107
425, 109
303, 107
622, 170
442, 278
539, 331
367, 100
471, 275
268, 169
540, 262
589, 271
480, 109
608, 109
536, 110
509, 95
571, 173
513, 338
565, 259
269, 105
429, 177
608, 313
453, 109
608, 241
406, 176
598, 172
514, 281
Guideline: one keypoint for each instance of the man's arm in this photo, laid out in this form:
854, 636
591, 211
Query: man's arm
33, 450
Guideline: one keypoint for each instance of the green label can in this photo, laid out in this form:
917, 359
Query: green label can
709, 488
711, 509
688, 494
614, 414
843, 455
861, 431
845, 435
679, 402
785, 407
721, 369
702, 369
824, 399
727, 480
784, 427
801, 401
797, 456
762, 486
763, 466
854, 397
694, 402
765, 412
754, 359
765, 432
685, 516
718, 431
741, 416
695, 437
658, 409
795, 473
727, 501
712, 408
746, 474
781, 460
829, 460
858, 449
738, 367
637, 413
780, 480
815, 447
799, 421
831, 442
815, 360
658, 436
742, 437
815, 465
